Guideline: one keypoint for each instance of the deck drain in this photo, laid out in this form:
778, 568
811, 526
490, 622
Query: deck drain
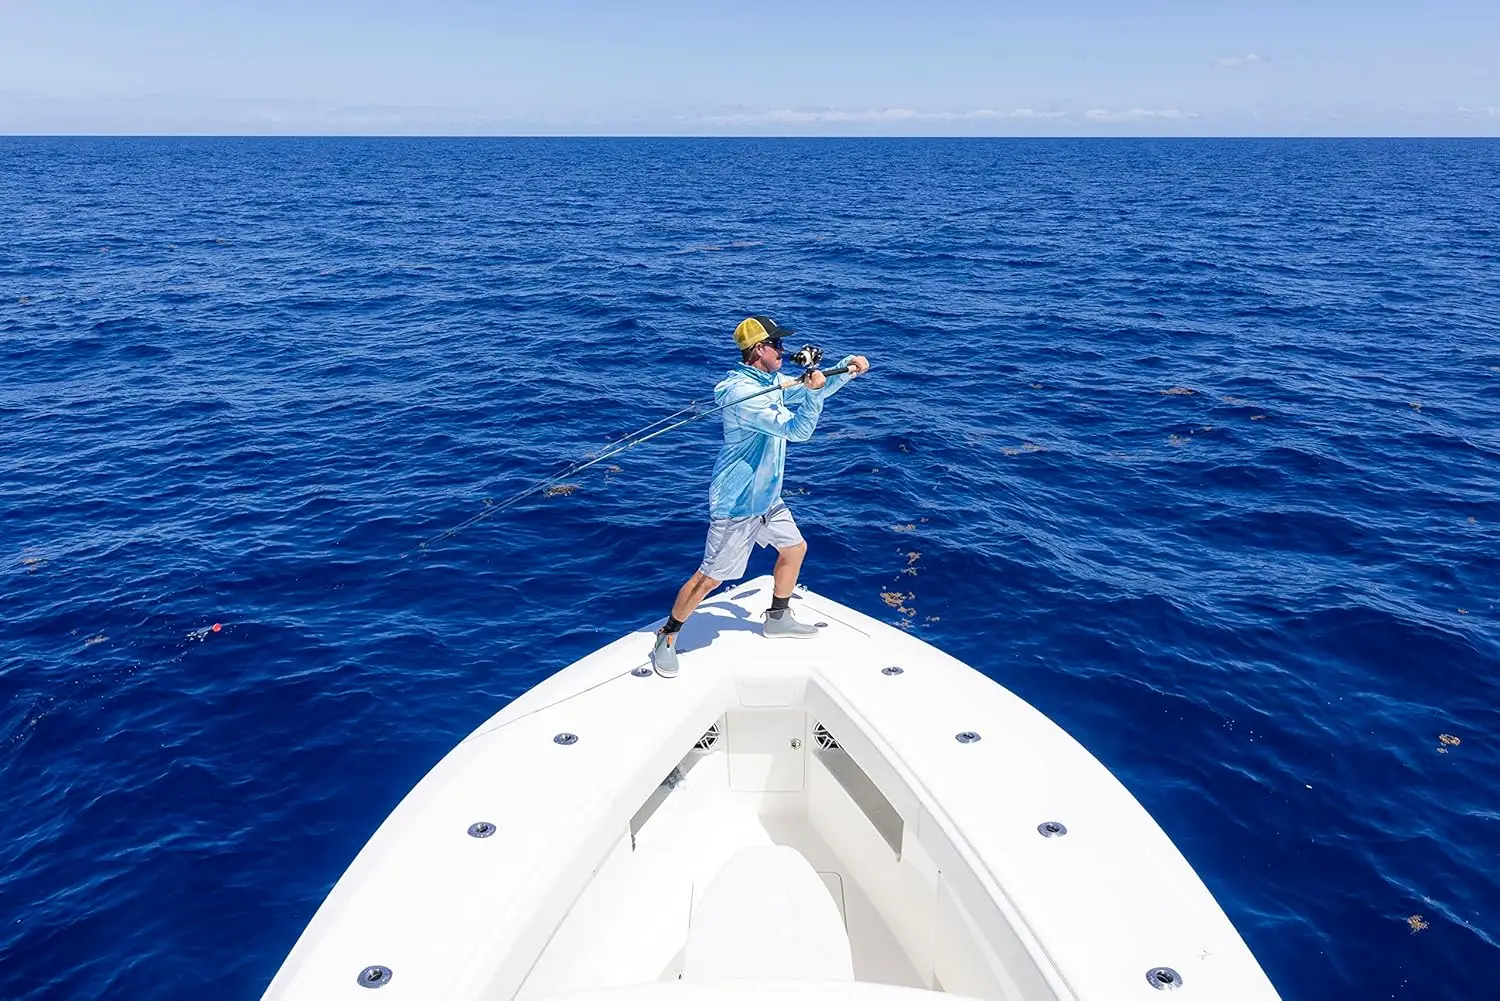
891, 671
967, 737
482, 829
375, 976
1051, 829
1164, 978
565, 739
642, 672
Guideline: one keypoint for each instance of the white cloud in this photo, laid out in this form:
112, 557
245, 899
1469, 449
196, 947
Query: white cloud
978, 114
895, 116
1030, 113
1140, 115
790, 116
1235, 62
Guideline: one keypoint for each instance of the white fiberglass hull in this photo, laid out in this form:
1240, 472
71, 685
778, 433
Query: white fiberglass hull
859, 809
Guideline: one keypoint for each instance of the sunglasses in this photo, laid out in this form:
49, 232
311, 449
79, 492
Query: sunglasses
775, 343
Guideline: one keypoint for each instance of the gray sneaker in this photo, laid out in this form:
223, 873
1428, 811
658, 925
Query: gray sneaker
779, 622
664, 657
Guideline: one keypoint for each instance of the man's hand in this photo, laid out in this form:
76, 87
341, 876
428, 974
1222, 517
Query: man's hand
858, 364
814, 379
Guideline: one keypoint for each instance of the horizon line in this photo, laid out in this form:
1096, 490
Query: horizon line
680, 135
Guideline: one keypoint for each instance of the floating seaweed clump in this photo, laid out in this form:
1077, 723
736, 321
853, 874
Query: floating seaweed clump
898, 601
560, 490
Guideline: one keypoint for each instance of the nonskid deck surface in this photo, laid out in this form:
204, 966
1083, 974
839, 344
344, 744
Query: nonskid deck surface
631, 924
726, 628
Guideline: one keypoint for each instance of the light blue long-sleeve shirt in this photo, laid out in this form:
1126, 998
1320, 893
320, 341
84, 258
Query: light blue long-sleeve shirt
748, 473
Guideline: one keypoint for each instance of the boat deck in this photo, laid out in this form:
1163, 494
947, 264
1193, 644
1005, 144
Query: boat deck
632, 922
969, 843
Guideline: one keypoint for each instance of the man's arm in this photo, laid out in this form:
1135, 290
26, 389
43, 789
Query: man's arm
799, 393
767, 418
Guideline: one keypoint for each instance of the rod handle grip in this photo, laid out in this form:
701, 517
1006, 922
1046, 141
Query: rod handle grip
839, 370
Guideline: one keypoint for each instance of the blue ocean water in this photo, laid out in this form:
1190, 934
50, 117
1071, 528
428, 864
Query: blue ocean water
1192, 444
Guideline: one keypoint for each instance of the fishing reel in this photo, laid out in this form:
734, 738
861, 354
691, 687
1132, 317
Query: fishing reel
807, 356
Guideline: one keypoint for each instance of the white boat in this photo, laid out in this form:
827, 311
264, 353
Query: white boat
857, 816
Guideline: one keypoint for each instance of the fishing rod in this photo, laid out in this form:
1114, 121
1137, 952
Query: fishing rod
807, 357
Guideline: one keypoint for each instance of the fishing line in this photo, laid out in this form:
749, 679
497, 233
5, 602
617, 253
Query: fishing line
809, 355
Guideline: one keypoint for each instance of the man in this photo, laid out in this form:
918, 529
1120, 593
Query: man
744, 498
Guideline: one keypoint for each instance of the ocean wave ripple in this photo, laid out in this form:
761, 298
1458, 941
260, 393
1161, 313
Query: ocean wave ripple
1191, 444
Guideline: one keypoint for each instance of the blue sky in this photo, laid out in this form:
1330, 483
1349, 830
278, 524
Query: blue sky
757, 67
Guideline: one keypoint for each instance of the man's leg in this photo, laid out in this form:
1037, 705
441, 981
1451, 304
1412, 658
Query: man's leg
689, 596
788, 565
724, 555
779, 619
664, 651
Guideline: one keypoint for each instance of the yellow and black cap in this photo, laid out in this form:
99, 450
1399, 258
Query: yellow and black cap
754, 329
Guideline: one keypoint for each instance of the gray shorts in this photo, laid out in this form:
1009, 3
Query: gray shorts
730, 540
